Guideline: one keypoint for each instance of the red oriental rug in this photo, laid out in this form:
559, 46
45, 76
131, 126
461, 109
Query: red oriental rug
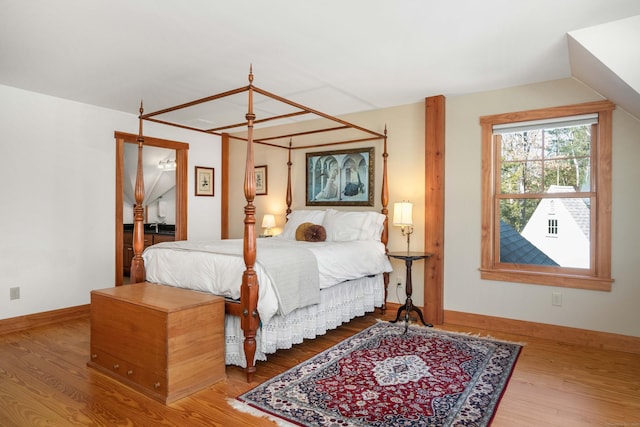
384, 377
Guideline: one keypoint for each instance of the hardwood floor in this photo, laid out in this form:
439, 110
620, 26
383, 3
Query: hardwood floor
44, 381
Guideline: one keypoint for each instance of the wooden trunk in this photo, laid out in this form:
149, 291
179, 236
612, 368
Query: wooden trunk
163, 341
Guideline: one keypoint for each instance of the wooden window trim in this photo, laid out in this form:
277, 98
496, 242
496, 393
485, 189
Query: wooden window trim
599, 276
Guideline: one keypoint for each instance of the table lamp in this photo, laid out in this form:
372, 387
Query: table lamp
402, 216
268, 222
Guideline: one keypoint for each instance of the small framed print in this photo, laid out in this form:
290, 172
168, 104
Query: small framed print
260, 173
204, 181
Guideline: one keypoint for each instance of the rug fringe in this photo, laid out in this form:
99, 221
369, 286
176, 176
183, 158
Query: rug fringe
469, 334
248, 409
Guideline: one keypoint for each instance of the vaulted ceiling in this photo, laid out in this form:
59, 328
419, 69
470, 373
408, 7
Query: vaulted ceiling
336, 56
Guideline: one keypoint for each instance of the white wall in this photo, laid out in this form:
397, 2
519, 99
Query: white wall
614, 311
58, 190
153, 210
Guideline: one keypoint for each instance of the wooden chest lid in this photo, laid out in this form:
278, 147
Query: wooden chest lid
156, 296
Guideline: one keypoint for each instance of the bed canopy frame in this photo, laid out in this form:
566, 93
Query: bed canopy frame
277, 111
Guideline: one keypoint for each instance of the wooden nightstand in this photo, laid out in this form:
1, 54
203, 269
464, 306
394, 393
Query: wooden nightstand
408, 306
163, 341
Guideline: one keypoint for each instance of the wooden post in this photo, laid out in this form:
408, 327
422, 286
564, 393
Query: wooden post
434, 209
384, 198
289, 197
137, 272
250, 320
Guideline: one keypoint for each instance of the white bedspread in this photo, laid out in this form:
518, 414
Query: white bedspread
197, 265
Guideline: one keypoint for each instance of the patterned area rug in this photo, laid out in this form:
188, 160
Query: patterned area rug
384, 377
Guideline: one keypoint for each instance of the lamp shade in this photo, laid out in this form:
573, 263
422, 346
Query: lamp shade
268, 221
402, 213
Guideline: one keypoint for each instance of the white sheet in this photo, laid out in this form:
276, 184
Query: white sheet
222, 274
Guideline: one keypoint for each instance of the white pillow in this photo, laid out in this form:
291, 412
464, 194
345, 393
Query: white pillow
372, 229
347, 226
295, 218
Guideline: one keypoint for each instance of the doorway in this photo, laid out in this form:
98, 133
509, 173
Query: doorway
181, 158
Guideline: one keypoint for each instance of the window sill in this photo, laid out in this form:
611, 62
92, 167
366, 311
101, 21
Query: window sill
559, 280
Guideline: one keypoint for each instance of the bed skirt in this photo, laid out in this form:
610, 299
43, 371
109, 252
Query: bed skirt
338, 304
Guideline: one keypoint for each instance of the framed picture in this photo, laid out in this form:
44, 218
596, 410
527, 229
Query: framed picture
260, 173
340, 178
204, 181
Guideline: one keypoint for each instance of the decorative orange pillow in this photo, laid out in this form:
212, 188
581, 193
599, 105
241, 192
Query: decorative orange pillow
301, 230
315, 233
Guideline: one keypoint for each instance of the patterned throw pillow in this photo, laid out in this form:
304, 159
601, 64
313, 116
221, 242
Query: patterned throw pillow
315, 233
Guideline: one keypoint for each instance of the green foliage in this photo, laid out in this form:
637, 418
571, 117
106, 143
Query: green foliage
534, 160
516, 212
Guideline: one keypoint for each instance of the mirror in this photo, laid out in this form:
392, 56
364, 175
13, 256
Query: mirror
165, 198
159, 165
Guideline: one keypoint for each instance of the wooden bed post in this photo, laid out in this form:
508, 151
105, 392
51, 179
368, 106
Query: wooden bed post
137, 272
289, 197
384, 198
249, 320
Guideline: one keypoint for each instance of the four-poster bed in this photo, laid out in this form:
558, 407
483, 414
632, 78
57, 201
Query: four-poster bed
244, 309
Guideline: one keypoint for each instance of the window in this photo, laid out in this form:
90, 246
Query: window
546, 196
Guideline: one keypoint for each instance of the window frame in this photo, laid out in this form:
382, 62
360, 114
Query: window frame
598, 276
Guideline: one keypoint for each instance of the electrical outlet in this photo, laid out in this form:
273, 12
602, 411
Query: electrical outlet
556, 299
14, 293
